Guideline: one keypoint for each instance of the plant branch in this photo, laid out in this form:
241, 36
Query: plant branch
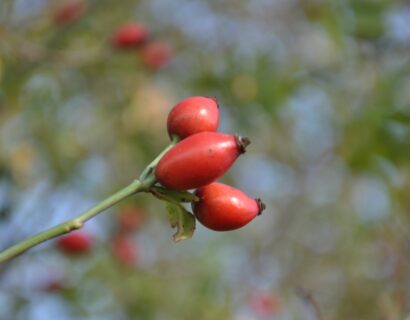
143, 184
308, 298
150, 168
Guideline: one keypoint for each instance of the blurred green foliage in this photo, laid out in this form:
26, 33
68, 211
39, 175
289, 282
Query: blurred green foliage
321, 87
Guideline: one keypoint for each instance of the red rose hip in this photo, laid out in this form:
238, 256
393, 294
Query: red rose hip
125, 250
223, 208
69, 12
193, 115
130, 35
130, 218
156, 54
264, 304
75, 242
199, 160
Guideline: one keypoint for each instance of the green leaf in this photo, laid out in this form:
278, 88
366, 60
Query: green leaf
173, 195
183, 220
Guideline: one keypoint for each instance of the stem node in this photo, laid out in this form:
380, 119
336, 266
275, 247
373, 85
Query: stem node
77, 224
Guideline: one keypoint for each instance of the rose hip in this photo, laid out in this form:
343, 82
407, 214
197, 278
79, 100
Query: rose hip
264, 304
75, 242
130, 218
156, 54
125, 250
69, 12
193, 115
130, 35
223, 208
199, 160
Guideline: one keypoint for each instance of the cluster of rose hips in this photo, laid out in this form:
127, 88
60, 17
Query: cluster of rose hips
153, 54
199, 159
201, 156
124, 248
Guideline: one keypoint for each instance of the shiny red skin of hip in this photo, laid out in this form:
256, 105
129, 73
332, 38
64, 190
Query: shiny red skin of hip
193, 115
224, 208
197, 160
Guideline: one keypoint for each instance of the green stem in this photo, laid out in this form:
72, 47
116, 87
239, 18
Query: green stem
72, 224
143, 184
150, 168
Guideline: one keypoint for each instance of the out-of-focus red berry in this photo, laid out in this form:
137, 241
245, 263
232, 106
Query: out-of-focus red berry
76, 242
130, 35
264, 304
125, 250
156, 54
69, 12
193, 115
130, 218
54, 285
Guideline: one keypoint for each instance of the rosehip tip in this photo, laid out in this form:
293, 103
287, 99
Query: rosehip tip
214, 99
261, 206
242, 142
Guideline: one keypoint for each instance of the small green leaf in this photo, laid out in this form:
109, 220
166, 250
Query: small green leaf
173, 195
180, 218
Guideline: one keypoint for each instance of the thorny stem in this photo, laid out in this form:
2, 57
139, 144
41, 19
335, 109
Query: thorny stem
143, 184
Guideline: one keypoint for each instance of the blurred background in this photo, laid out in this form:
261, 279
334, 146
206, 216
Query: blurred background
321, 87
